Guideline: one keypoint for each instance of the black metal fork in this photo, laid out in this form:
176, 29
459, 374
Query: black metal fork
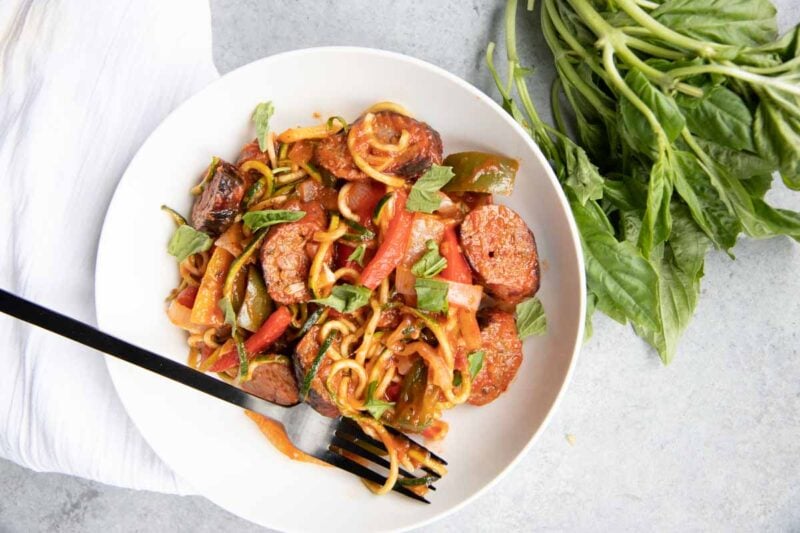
340, 442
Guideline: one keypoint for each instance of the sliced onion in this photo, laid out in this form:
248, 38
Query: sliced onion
404, 281
180, 315
464, 295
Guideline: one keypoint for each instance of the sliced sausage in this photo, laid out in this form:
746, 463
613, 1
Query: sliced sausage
332, 154
501, 249
274, 381
251, 151
304, 354
502, 355
219, 203
424, 144
287, 253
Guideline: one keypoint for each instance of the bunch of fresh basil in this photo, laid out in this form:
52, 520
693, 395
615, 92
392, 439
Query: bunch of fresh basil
671, 118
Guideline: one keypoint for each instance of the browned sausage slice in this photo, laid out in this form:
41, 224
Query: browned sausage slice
287, 253
502, 356
501, 249
332, 154
274, 380
218, 204
424, 144
304, 355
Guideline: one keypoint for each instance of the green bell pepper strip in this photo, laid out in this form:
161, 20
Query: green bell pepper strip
481, 172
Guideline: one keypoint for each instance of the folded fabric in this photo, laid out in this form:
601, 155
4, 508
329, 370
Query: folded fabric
82, 84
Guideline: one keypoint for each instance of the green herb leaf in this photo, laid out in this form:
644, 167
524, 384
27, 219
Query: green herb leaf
708, 209
346, 298
261, 115
227, 311
358, 254
720, 116
777, 137
475, 360
424, 195
376, 407
187, 241
657, 223
530, 318
431, 295
624, 282
431, 262
256, 220
637, 130
735, 22
581, 175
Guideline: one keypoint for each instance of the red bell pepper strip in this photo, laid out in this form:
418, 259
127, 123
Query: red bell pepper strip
457, 268
187, 296
270, 331
391, 250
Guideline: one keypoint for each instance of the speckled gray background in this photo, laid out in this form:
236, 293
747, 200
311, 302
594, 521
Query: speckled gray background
711, 443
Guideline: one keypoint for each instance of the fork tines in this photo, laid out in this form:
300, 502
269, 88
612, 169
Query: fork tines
354, 451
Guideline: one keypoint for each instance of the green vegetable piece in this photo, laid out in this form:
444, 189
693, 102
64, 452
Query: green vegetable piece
530, 318
424, 196
261, 115
242, 353
187, 241
362, 233
210, 171
257, 220
176, 217
376, 407
312, 372
475, 360
346, 298
416, 404
379, 208
312, 319
481, 172
431, 295
431, 262
257, 304
358, 254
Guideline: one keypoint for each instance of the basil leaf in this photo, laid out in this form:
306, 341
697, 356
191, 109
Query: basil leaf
424, 196
735, 22
777, 137
657, 222
227, 311
346, 298
635, 127
720, 116
358, 255
530, 318
624, 282
256, 220
431, 262
187, 241
708, 208
376, 407
431, 295
581, 175
261, 115
475, 360
744, 165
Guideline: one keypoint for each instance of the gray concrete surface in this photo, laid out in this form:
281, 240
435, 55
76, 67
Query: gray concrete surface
711, 443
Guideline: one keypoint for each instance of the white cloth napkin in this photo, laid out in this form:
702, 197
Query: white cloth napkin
82, 84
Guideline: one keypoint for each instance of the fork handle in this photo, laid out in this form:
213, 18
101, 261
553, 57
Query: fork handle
87, 335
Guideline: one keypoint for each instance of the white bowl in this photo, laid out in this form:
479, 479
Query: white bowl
211, 444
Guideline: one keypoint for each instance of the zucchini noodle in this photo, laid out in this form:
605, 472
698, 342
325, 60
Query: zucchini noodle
389, 106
